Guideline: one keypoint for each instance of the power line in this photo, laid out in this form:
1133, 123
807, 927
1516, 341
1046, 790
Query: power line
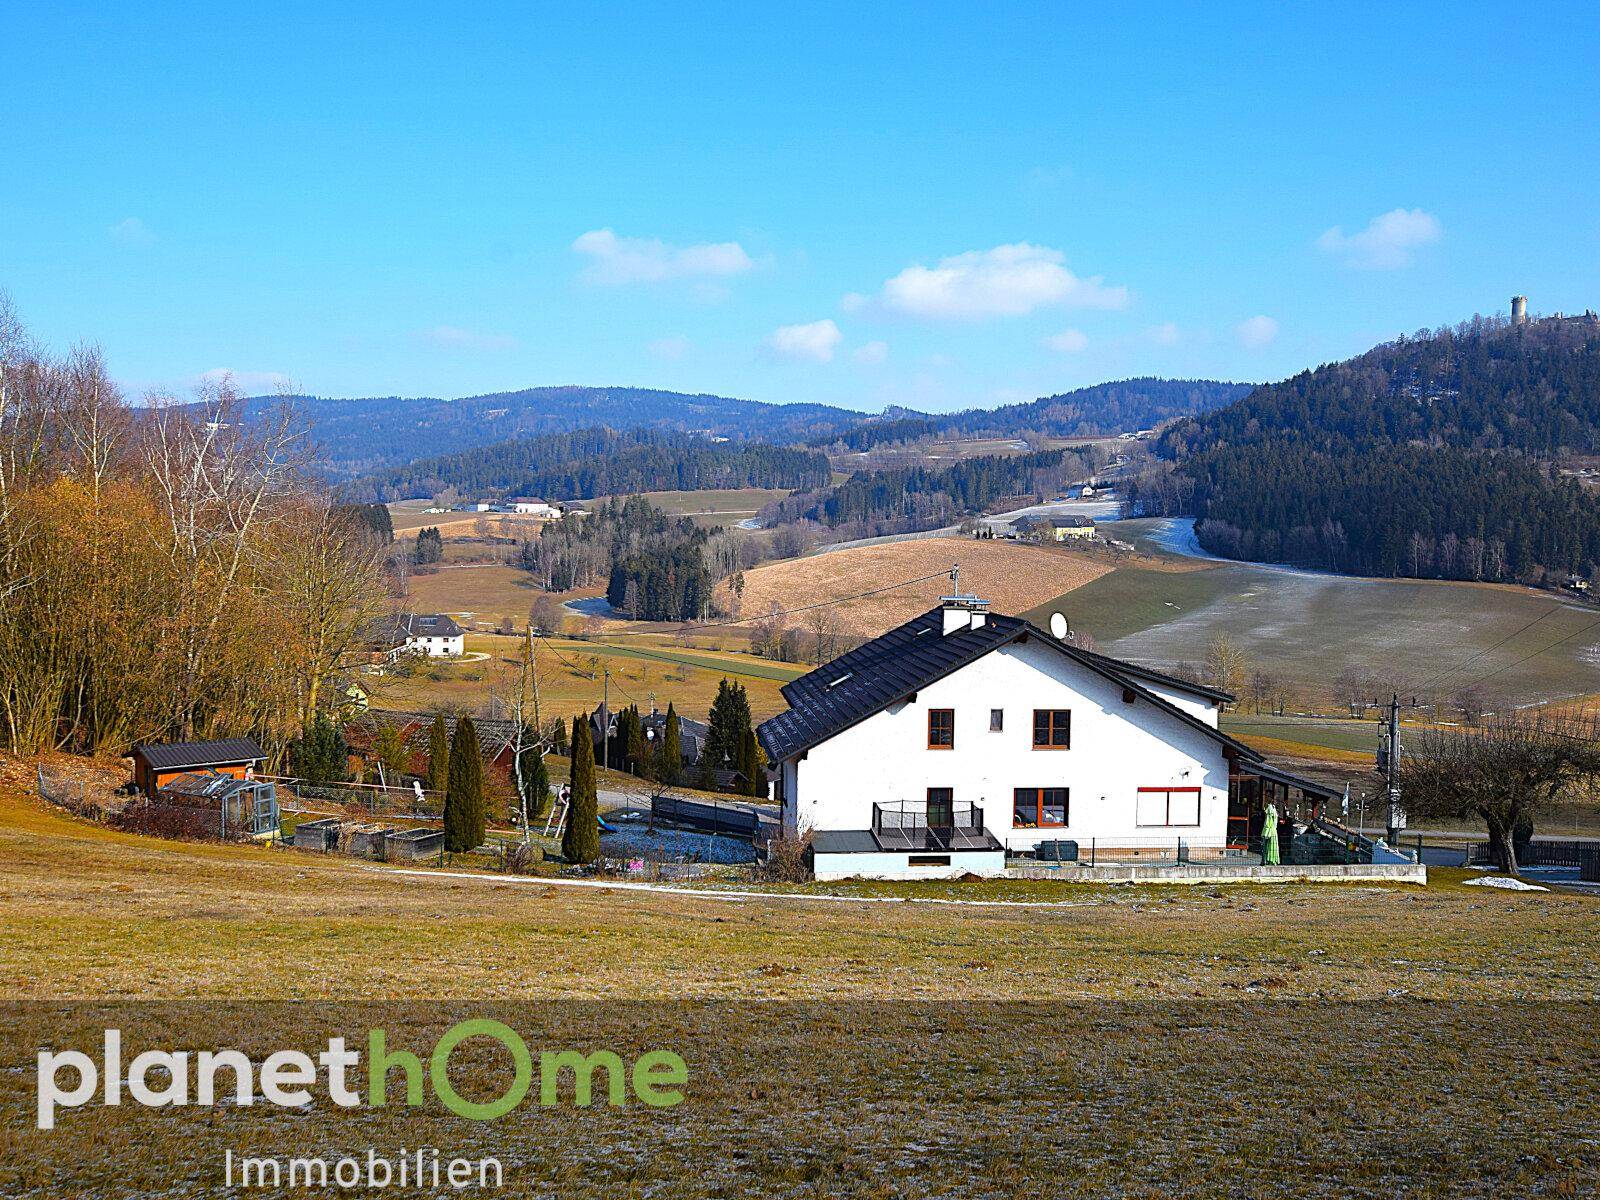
1472, 658
1542, 650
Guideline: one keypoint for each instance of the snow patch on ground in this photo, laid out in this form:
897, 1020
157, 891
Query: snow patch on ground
1506, 883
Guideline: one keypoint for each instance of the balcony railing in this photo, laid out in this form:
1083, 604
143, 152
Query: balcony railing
909, 825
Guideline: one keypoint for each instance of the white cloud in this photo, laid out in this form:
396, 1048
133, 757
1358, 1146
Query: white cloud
131, 231
670, 347
1165, 334
617, 260
449, 337
1256, 332
1003, 282
1068, 341
872, 353
1388, 241
814, 342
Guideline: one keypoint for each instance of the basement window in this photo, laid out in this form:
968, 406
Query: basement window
927, 860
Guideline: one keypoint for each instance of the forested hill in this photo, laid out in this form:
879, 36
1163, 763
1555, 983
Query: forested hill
362, 437
1485, 385
1105, 408
1431, 456
599, 462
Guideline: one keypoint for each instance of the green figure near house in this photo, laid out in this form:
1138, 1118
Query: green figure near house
1269, 835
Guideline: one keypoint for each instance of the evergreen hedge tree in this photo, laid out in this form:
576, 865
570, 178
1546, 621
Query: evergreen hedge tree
464, 815
438, 755
750, 765
669, 751
580, 841
729, 726
638, 753
535, 777
320, 754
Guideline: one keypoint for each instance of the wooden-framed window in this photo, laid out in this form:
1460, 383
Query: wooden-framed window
941, 729
997, 720
1039, 808
1052, 728
1168, 807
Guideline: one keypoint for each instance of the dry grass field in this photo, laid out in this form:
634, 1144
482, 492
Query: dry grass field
1293, 1040
572, 672
1012, 577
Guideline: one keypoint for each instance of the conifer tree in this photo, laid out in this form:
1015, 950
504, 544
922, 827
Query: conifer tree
580, 842
464, 816
638, 755
750, 765
438, 755
669, 750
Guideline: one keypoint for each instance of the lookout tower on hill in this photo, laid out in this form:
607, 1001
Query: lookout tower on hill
1519, 310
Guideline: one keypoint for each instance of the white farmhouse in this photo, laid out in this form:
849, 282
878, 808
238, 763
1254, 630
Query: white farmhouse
964, 737
433, 635
529, 507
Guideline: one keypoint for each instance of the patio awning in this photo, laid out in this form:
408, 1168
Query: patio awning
1278, 775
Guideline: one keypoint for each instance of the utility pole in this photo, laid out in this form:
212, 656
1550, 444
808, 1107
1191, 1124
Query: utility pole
1389, 760
605, 723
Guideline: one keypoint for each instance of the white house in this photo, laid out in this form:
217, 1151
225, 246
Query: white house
533, 508
964, 737
434, 635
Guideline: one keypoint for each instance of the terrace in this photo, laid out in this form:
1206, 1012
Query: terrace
932, 824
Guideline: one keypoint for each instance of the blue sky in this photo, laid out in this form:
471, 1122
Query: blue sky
931, 205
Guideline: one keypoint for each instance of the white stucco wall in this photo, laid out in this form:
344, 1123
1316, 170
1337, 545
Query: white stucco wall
898, 866
1116, 749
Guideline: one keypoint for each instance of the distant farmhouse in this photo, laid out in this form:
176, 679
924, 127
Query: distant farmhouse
1056, 528
434, 635
963, 736
528, 507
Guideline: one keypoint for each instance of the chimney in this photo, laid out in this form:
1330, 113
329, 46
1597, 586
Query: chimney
963, 612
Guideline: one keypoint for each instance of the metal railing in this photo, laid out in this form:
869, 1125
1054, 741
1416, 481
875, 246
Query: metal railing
908, 825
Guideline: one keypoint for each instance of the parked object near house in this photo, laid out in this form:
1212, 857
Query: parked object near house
433, 635
155, 764
241, 808
963, 737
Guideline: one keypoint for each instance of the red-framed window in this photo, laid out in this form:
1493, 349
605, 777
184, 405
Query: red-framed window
1167, 808
1039, 808
941, 729
1052, 728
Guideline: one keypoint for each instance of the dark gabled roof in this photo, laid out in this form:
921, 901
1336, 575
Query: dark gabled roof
178, 756
429, 625
893, 667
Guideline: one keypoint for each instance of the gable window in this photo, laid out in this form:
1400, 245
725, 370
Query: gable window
997, 720
1052, 728
941, 729
1039, 808
1168, 807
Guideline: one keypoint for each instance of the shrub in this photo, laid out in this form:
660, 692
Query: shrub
788, 860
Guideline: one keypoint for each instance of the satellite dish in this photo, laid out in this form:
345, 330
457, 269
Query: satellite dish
1059, 627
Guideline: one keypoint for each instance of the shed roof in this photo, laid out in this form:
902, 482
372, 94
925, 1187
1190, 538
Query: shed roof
179, 756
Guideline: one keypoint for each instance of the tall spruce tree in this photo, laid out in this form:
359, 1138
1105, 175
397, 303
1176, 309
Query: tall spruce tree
638, 753
669, 750
580, 842
729, 725
755, 780
438, 755
535, 777
464, 814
